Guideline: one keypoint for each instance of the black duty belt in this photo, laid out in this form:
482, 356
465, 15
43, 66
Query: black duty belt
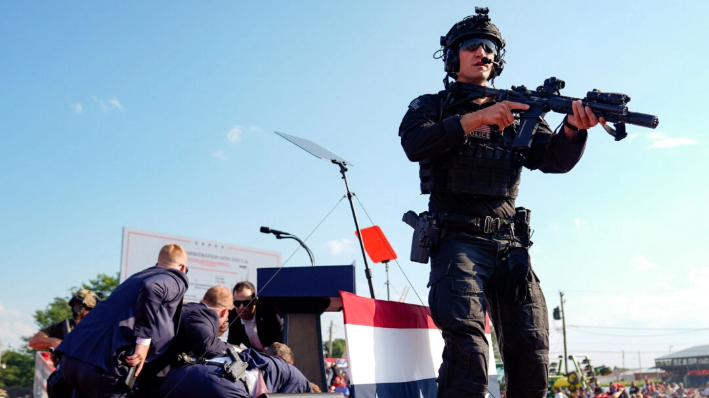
233, 369
486, 225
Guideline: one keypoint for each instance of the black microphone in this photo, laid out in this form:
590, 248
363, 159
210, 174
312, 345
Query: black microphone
267, 230
486, 60
279, 235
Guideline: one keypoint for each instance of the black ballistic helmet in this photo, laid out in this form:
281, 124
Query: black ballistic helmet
477, 25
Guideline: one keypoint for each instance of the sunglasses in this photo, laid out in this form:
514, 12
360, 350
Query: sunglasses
245, 303
475, 43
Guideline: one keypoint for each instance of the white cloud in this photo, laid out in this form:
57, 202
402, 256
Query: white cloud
641, 263
107, 105
78, 108
663, 283
6, 312
659, 140
255, 129
577, 222
13, 326
220, 155
114, 103
339, 246
234, 135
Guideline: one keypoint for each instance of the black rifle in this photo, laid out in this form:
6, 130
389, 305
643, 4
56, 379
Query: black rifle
611, 106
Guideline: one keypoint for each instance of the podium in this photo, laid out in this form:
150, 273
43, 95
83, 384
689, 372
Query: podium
302, 294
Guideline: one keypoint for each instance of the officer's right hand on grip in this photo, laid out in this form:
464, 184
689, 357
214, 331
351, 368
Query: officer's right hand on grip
499, 114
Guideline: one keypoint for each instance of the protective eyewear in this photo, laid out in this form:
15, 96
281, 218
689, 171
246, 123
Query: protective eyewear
474, 43
245, 303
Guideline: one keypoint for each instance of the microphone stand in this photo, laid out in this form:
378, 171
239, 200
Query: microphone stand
290, 236
367, 271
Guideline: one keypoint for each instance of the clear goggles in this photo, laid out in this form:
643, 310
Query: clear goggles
474, 43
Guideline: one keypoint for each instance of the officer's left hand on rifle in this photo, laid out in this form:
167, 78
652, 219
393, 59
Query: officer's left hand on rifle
583, 119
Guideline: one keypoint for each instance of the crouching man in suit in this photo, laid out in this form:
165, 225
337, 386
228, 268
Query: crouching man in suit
201, 324
135, 324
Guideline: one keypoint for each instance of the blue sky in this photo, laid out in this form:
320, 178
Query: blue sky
160, 116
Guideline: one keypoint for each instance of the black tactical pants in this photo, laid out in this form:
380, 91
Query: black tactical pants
472, 275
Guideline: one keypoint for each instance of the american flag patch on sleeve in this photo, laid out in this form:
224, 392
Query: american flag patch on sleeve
415, 104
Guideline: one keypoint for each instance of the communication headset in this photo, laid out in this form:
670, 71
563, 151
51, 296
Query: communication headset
471, 26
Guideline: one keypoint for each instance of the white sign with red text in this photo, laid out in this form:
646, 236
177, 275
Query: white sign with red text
210, 263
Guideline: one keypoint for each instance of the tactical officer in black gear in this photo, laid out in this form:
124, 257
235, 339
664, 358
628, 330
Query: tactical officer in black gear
50, 337
479, 262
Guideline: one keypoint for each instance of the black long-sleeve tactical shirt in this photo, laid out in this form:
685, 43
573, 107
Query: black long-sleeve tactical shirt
428, 130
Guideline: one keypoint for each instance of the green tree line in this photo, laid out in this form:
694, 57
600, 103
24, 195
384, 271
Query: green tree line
17, 364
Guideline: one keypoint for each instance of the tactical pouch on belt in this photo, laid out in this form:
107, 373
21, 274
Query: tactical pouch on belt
514, 281
425, 235
523, 231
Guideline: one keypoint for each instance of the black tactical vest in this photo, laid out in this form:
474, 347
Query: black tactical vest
479, 168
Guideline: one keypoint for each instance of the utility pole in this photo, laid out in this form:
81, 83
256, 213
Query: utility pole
329, 347
623, 359
386, 263
563, 323
640, 362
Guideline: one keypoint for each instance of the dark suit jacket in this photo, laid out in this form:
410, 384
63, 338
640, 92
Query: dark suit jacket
146, 305
209, 381
269, 325
199, 326
196, 336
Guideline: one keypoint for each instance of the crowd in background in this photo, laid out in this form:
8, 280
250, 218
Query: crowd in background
646, 390
338, 377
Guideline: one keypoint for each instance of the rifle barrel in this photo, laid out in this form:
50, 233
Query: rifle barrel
643, 119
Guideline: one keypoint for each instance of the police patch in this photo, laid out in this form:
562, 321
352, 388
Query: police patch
415, 104
482, 132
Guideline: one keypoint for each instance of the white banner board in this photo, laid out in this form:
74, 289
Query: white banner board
42, 370
210, 263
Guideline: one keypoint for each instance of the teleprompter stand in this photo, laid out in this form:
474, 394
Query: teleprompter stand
322, 153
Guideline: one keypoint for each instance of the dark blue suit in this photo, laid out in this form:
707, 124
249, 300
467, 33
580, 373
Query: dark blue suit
199, 329
146, 305
197, 336
209, 381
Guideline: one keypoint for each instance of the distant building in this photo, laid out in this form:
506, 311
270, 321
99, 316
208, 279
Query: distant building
617, 375
630, 375
650, 373
679, 363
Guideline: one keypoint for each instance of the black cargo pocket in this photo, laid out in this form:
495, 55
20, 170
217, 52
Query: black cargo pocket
437, 273
470, 291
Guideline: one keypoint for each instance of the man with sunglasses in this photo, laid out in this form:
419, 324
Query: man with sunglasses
135, 324
479, 260
252, 328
